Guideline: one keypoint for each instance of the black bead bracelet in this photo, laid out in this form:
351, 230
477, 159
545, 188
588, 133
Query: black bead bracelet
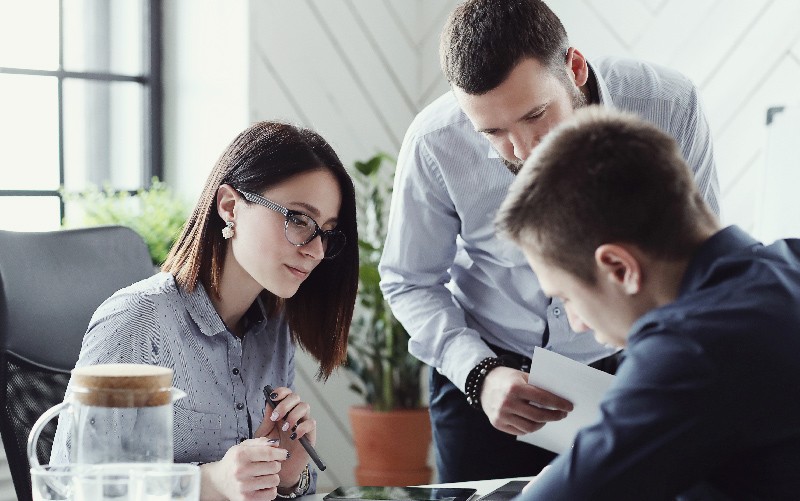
475, 380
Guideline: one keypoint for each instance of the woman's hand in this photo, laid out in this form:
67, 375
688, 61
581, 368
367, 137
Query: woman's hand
248, 471
290, 420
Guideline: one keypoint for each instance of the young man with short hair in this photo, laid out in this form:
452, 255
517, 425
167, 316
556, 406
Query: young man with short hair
468, 299
706, 402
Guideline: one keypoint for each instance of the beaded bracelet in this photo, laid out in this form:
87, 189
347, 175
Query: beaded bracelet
475, 380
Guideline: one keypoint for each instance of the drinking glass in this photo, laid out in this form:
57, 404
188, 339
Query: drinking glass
138, 482
53, 482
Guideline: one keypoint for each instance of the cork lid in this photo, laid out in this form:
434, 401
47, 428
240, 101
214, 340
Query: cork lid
122, 385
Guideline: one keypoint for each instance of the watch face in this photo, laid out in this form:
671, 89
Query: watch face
302, 485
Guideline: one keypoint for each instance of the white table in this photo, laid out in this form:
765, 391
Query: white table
482, 487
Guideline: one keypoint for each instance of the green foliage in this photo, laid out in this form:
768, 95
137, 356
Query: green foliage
388, 376
155, 213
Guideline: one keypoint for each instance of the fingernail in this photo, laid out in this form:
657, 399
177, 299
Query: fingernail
274, 416
294, 428
273, 395
285, 427
292, 436
288, 454
273, 440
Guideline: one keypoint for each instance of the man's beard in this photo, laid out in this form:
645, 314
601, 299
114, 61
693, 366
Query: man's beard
514, 166
578, 101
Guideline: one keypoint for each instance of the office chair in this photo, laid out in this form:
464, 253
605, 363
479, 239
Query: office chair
50, 285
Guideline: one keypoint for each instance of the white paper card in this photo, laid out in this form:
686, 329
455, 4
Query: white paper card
582, 385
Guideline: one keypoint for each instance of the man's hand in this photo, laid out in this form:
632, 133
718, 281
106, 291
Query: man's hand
516, 407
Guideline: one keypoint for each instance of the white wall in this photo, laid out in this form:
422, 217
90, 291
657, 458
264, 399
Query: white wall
778, 213
744, 55
355, 70
205, 72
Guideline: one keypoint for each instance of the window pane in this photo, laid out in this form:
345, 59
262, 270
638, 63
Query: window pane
29, 34
40, 213
28, 132
103, 142
104, 36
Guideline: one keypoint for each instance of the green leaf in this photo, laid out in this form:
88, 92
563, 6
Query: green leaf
154, 213
388, 376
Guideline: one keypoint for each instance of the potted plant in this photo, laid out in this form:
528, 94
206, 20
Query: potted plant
392, 431
156, 214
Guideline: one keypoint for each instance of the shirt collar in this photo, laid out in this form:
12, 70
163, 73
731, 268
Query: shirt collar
203, 313
722, 243
603, 93
726, 241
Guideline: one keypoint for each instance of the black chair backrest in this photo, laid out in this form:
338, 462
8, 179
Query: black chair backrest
50, 285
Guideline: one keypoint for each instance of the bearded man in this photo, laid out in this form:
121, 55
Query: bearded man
472, 306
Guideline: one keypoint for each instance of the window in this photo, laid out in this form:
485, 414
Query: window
80, 102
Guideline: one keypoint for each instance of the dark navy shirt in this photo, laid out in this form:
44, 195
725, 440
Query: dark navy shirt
706, 404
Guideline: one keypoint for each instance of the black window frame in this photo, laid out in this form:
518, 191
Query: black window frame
151, 81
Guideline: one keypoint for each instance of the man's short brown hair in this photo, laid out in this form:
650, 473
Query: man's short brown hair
483, 40
604, 177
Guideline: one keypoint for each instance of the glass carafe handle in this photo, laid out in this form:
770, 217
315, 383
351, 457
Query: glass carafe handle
177, 394
40, 423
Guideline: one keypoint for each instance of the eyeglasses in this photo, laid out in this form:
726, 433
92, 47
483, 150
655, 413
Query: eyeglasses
300, 228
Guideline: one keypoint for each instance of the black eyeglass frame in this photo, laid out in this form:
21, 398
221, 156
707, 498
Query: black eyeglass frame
287, 213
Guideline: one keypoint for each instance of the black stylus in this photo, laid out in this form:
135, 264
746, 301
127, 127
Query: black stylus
303, 440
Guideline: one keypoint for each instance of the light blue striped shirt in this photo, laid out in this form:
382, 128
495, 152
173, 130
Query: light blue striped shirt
155, 322
449, 279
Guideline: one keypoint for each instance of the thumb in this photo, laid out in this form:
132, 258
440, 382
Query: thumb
268, 429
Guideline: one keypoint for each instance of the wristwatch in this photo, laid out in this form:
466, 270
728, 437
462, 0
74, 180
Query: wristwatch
302, 485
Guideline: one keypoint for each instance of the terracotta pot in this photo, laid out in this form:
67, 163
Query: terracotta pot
392, 447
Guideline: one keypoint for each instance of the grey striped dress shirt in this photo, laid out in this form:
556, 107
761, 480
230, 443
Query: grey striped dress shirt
449, 279
155, 322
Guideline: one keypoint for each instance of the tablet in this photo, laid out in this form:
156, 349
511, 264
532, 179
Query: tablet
505, 491
401, 493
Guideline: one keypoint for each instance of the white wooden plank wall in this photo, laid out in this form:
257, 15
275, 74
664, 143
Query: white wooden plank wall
742, 54
359, 70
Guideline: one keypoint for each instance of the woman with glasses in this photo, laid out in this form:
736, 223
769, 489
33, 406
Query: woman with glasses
268, 259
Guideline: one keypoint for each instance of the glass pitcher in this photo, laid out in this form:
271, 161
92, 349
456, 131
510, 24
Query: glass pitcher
120, 413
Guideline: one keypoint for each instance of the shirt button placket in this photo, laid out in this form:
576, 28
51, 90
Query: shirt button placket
239, 395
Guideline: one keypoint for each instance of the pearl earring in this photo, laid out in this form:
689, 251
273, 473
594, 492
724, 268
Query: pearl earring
227, 231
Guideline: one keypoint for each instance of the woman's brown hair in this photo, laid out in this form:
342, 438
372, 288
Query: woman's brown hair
264, 155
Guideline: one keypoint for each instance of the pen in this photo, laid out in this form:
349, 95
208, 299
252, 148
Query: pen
303, 440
